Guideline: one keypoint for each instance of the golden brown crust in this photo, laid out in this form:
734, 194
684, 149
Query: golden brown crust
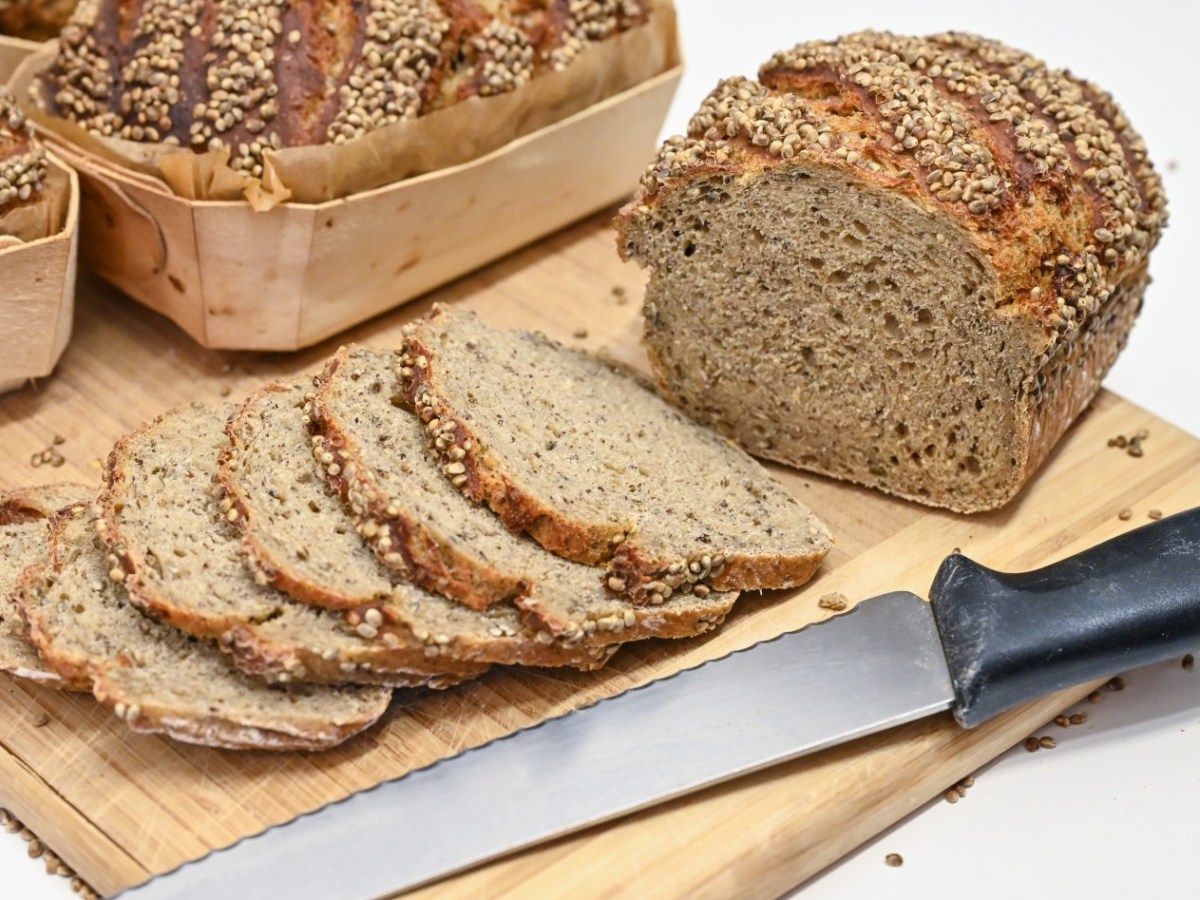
1039, 168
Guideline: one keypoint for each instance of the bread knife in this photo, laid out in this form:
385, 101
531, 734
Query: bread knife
987, 641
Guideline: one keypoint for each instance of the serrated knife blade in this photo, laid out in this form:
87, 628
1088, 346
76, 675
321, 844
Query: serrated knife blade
988, 641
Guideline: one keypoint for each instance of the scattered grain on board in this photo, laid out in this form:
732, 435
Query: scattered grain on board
1189, 662
1095, 697
1047, 743
1125, 515
41, 720
1032, 744
621, 295
1062, 721
1155, 514
1116, 684
580, 333
36, 849
226, 390
894, 859
1078, 718
959, 791
835, 601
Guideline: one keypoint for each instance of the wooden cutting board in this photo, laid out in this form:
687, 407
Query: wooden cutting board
121, 807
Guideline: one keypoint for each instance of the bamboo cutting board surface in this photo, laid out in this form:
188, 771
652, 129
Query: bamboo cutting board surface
121, 807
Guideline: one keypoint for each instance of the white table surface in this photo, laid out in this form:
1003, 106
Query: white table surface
1110, 812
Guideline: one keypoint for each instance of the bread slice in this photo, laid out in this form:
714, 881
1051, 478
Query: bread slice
374, 454
598, 468
902, 261
24, 521
159, 679
300, 537
172, 544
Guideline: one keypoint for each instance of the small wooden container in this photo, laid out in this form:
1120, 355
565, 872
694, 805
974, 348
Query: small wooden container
290, 277
37, 301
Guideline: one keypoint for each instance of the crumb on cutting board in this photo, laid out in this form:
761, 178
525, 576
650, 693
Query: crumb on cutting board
835, 601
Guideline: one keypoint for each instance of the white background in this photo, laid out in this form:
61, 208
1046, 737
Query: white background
1112, 811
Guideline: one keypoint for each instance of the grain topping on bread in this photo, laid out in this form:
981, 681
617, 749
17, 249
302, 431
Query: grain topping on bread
906, 262
24, 531
374, 454
598, 468
22, 158
159, 679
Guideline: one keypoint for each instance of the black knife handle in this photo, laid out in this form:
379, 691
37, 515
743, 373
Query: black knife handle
1010, 638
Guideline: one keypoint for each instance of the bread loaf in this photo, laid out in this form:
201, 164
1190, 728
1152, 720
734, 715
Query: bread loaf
904, 262
260, 76
22, 161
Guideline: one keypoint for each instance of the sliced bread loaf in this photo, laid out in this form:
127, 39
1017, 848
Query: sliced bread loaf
598, 468
159, 679
172, 544
374, 454
300, 537
24, 517
907, 262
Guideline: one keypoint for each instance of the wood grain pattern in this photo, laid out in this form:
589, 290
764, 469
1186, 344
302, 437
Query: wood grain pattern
117, 806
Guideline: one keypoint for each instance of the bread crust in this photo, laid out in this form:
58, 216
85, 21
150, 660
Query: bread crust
1040, 170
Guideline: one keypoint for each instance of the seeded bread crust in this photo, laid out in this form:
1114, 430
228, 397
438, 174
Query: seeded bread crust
298, 535
24, 529
1033, 176
22, 158
209, 74
266, 632
649, 549
361, 430
157, 679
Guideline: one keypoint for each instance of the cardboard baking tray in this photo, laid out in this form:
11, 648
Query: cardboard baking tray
287, 278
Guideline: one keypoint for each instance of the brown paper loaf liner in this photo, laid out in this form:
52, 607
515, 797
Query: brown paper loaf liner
437, 140
37, 302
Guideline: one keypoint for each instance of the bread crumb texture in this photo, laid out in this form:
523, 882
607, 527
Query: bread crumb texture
905, 262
